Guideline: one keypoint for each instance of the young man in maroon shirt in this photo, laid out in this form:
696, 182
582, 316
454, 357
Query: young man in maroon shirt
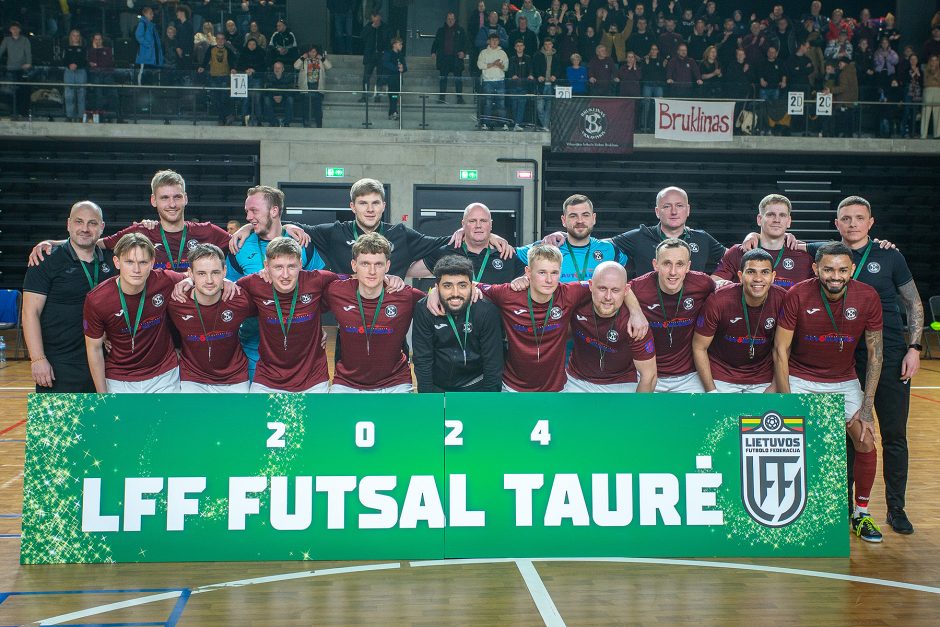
372, 322
212, 359
823, 321
672, 297
131, 310
733, 342
605, 358
789, 265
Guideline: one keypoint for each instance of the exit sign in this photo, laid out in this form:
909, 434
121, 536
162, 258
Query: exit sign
335, 173
468, 175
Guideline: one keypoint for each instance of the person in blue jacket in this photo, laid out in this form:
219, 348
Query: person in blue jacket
149, 48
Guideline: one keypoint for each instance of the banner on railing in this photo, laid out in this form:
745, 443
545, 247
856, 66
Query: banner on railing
592, 125
693, 121
178, 477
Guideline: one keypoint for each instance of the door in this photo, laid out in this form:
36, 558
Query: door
424, 18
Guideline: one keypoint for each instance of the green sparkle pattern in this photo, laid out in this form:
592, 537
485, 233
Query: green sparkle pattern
824, 441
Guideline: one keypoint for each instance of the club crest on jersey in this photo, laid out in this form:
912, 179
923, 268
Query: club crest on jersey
227, 315
769, 323
391, 311
105, 268
873, 267
497, 264
191, 244
555, 313
612, 335
688, 303
788, 264
851, 313
157, 300
693, 247
306, 299
467, 327
773, 468
598, 255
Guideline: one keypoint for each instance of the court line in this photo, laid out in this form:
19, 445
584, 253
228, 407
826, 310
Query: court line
11, 440
924, 398
13, 426
543, 600
925, 387
11, 515
111, 607
33, 388
9, 535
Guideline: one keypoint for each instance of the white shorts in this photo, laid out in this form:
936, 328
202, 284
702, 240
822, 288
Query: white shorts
168, 382
578, 385
403, 388
852, 390
686, 384
193, 387
319, 388
740, 388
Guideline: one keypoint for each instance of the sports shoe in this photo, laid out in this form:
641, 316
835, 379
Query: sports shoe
517, 128
866, 529
899, 522
505, 127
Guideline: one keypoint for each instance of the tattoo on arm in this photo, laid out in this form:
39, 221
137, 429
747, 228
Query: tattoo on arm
875, 344
914, 309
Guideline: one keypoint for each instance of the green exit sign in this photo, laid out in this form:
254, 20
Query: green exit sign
468, 175
335, 173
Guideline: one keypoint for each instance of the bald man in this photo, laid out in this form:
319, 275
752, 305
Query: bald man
605, 358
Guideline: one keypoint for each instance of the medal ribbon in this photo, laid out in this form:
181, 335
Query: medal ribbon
280, 315
861, 264
91, 282
453, 326
362, 314
169, 253
205, 334
600, 350
832, 318
574, 262
535, 331
747, 322
779, 256
127, 318
663, 307
486, 258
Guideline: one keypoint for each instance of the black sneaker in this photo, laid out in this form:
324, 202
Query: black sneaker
866, 529
899, 522
460, 100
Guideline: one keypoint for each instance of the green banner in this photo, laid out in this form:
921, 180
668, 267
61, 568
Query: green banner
133, 478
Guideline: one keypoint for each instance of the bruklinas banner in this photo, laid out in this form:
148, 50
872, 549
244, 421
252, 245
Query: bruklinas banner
179, 477
694, 121
594, 125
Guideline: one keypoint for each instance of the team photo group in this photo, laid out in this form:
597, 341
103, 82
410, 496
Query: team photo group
170, 305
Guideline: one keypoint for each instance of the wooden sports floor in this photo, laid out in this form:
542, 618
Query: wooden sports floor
895, 583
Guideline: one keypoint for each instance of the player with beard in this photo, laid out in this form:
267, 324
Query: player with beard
672, 297
462, 350
211, 359
605, 358
733, 342
823, 321
53, 297
790, 266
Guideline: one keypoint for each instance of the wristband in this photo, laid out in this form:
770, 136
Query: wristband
917, 347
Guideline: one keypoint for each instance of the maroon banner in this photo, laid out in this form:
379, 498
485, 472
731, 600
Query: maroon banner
593, 125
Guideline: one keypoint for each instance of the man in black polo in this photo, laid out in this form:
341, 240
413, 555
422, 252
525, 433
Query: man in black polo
461, 351
886, 270
53, 297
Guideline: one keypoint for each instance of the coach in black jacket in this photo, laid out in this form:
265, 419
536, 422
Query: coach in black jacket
449, 50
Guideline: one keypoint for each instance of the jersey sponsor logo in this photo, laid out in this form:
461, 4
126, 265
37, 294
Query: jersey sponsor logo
191, 244
873, 267
555, 313
581, 318
737, 339
391, 311
360, 330
812, 311
211, 337
439, 326
788, 264
349, 307
267, 302
306, 299
851, 313
769, 323
119, 314
497, 264
186, 317
519, 312
307, 317
773, 468
672, 324
829, 338
733, 320
227, 315
612, 335
157, 300
598, 255
688, 303
693, 247
653, 306
784, 283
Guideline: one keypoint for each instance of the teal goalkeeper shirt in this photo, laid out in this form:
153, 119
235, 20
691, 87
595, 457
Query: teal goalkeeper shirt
250, 258
597, 251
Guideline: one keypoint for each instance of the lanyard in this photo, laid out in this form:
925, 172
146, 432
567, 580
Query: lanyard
663, 307
169, 253
779, 257
91, 282
205, 335
535, 330
832, 318
368, 330
127, 318
486, 258
280, 315
597, 337
747, 322
861, 263
466, 326
356, 231
574, 262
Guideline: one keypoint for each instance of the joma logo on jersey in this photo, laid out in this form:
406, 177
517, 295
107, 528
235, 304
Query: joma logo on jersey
773, 468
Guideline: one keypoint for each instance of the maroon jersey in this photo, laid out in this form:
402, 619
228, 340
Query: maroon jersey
673, 358
791, 267
196, 233
302, 364
815, 354
153, 353
729, 354
603, 350
211, 352
536, 363
372, 357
